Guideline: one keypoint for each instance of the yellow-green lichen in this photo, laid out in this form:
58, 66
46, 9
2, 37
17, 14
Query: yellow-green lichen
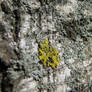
48, 55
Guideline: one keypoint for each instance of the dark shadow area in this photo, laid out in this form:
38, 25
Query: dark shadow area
47, 2
5, 82
61, 2
6, 86
3, 66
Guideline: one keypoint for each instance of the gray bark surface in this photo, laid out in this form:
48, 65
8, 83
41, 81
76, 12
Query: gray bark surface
67, 24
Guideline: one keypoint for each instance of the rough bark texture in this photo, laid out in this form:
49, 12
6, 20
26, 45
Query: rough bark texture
67, 24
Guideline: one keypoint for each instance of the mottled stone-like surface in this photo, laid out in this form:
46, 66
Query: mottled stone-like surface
67, 24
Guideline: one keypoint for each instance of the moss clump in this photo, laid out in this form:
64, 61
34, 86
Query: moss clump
48, 55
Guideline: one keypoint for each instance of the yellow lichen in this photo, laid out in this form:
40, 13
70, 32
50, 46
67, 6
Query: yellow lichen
48, 55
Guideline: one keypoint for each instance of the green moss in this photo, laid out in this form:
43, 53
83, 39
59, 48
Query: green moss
48, 55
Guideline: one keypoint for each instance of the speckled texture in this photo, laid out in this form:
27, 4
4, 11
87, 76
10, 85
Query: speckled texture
67, 25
